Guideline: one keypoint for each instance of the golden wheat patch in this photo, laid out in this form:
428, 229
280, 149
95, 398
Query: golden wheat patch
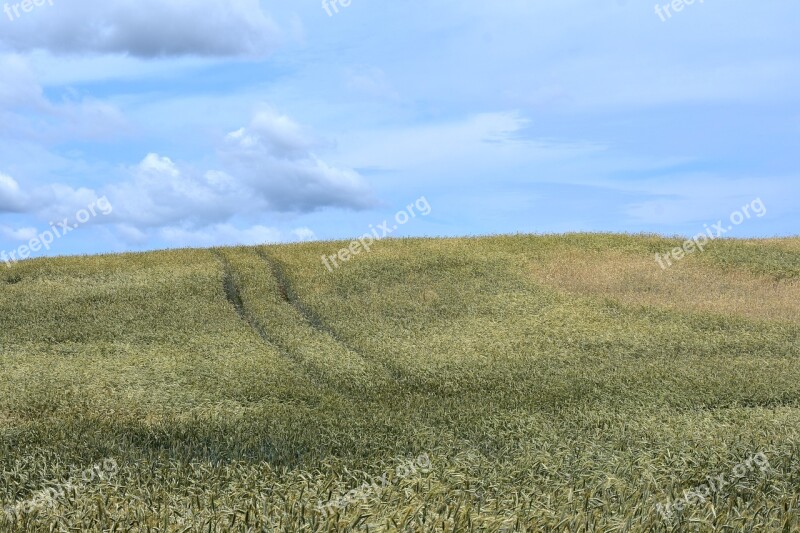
685, 286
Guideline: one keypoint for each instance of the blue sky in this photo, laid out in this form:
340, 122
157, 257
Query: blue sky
240, 122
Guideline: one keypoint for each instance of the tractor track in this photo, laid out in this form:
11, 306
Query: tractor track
289, 295
234, 296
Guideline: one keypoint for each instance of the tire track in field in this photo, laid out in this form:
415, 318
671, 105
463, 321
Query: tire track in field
234, 296
289, 295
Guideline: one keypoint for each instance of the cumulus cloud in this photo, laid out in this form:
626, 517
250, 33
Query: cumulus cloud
50, 202
145, 28
162, 193
12, 199
273, 156
266, 166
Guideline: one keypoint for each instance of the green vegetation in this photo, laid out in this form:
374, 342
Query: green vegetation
561, 383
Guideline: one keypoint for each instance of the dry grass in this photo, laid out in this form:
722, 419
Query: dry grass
635, 279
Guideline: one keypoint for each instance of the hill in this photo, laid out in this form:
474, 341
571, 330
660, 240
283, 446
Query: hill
564, 383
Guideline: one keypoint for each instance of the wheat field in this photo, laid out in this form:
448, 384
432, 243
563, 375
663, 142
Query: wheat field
510, 383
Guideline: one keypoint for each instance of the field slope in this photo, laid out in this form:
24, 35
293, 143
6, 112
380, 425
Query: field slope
520, 383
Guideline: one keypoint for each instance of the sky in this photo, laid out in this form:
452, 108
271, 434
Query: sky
146, 124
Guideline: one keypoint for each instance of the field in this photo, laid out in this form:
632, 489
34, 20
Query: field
516, 383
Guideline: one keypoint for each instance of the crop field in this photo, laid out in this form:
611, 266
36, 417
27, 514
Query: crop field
515, 383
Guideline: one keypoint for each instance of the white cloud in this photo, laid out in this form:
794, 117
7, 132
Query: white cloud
11, 197
154, 164
304, 234
273, 157
275, 133
162, 193
21, 234
144, 28
131, 234
48, 202
266, 166
219, 180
